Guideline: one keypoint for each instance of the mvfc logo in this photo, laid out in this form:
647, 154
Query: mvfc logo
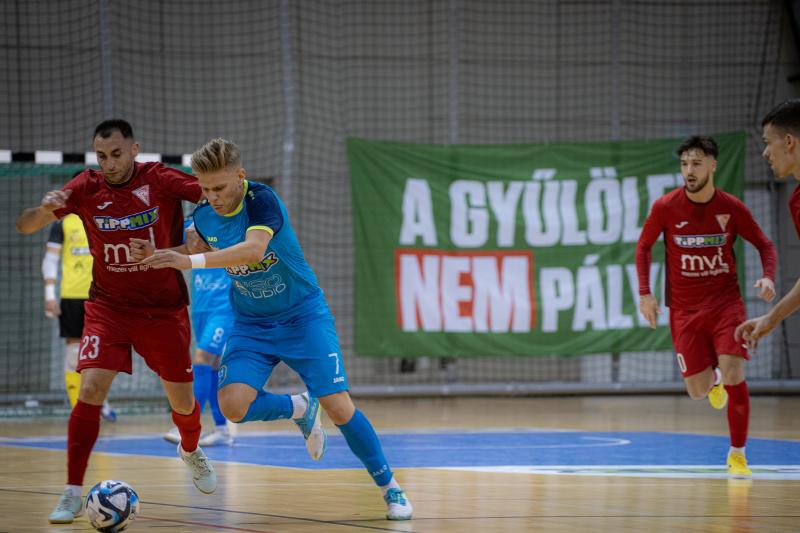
128, 222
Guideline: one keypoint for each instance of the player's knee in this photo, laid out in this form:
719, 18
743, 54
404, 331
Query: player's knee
339, 407
91, 392
697, 389
733, 376
695, 394
202, 357
232, 407
234, 413
732, 368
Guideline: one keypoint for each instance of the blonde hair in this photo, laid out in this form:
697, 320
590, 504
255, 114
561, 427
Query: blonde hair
217, 154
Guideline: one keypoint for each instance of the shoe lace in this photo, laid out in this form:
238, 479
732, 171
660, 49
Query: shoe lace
200, 463
65, 502
306, 422
396, 496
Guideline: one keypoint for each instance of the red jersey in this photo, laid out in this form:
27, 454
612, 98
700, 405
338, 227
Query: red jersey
147, 207
794, 209
699, 238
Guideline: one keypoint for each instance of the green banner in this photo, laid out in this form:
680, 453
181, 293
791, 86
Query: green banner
496, 250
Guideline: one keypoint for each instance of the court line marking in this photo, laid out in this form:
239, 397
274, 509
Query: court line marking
203, 524
287, 433
353, 523
760, 472
605, 442
349, 523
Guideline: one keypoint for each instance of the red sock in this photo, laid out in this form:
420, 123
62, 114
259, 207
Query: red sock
82, 431
189, 428
738, 413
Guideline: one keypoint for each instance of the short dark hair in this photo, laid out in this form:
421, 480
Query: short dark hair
107, 127
707, 145
785, 116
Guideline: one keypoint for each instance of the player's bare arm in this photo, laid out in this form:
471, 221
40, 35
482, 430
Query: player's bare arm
194, 242
648, 306
49, 270
142, 249
752, 233
33, 219
244, 253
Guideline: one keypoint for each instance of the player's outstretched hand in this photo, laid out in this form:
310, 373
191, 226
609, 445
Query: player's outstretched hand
767, 292
194, 243
648, 305
168, 259
141, 249
53, 200
751, 330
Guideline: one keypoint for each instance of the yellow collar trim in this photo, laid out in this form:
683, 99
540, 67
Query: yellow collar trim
241, 204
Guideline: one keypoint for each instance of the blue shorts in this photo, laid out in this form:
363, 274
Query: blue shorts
212, 330
311, 349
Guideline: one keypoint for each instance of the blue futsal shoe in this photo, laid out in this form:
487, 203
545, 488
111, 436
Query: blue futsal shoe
310, 425
108, 413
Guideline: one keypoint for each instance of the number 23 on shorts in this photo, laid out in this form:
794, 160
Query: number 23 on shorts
90, 347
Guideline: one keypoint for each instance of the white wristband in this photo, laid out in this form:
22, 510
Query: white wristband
198, 260
50, 292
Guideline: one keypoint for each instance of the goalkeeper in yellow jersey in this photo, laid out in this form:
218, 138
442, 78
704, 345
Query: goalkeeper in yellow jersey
69, 246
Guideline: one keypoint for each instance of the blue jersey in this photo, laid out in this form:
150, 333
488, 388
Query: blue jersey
210, 287
210, 290
282, 287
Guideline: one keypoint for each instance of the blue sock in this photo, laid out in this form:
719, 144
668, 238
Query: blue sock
268, 406
202, 383
364, 443
219, 418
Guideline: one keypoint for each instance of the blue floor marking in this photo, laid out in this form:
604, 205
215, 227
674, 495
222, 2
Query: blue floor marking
466, 449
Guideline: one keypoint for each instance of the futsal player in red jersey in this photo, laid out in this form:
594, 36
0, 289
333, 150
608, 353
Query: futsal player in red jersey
700, 224
129, 306
781, 129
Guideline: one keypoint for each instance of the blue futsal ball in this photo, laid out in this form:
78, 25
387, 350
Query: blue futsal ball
111, 505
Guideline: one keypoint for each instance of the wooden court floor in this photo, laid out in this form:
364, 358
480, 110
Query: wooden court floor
255, 498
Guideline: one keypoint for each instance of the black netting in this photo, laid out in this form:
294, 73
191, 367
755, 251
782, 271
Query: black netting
288, 81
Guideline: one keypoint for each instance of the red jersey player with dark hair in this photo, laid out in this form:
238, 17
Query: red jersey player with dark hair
781, 128
700, 224
129, 306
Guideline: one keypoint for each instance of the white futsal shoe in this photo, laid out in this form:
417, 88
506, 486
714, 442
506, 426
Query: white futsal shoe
203, 475
311, 426
67, 509
219, 437
399, 508
173, 436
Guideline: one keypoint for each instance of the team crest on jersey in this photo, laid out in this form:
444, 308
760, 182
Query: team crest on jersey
245, 270
143, 194
128, 222
723, 220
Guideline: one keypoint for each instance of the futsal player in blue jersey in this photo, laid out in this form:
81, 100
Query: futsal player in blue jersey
281, 315
212, 322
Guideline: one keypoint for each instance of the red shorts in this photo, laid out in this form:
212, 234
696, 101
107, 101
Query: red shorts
700, 336
161, 337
